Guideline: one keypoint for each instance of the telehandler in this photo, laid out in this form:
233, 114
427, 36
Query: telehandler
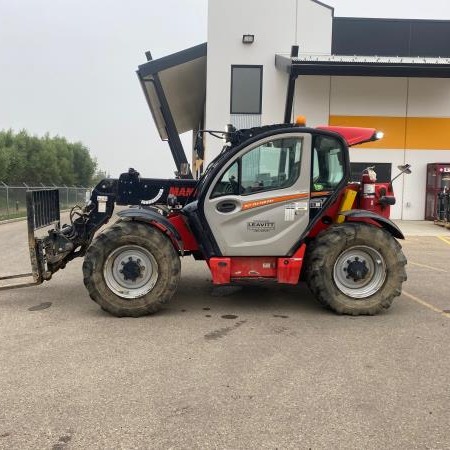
275, 205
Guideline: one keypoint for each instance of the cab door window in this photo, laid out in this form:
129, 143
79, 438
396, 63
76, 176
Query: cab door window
228, 183
272, 165
328, 168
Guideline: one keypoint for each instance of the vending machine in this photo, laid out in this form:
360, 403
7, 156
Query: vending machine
438, 191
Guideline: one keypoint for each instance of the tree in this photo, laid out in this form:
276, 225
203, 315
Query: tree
84, 166
47, 160
99, 176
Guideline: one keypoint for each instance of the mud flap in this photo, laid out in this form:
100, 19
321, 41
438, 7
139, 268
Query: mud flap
42, 211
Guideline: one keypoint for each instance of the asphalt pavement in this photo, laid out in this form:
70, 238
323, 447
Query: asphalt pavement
228, 368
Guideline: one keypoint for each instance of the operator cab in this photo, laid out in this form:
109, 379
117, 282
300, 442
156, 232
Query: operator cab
265, 189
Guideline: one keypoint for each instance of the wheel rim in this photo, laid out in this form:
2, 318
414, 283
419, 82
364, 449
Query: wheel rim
130, 271
359, 272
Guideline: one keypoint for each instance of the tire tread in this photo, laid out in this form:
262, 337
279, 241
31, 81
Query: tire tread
341, 236
105, 242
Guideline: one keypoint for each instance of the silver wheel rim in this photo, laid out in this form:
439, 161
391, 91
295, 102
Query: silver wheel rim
372, 281
143, 265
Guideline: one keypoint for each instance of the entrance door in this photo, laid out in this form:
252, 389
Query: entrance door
258, 204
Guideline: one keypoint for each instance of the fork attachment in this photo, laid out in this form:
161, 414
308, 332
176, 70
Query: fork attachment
42, 211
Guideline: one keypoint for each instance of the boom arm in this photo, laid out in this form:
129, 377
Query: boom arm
65, 243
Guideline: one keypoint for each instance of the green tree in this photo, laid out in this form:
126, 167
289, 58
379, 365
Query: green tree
84, 166
99, 176
47, 160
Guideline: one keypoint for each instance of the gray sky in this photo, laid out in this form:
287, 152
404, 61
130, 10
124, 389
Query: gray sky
68, 67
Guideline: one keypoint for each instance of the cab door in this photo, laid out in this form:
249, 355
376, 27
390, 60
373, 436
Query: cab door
258, 204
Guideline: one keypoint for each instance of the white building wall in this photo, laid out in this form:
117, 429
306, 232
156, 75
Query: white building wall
415, 184
276, 28
368, 96
314, 28
312, 99
429, 97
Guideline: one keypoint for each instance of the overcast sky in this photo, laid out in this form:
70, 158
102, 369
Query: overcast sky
68, 67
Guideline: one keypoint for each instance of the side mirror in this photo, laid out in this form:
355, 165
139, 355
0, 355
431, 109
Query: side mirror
405, 169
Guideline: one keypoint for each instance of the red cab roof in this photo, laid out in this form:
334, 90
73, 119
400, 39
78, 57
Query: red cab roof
353, 135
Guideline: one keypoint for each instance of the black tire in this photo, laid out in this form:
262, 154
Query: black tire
323, 276
144, 238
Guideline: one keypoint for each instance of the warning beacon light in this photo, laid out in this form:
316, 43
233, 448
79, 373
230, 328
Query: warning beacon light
300, 121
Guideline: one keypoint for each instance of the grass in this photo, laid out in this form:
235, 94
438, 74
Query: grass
13, 215
22, 213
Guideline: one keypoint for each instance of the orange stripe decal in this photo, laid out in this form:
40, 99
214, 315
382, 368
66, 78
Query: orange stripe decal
272, 200
320, 194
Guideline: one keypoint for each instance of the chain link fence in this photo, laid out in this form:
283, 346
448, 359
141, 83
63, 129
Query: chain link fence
13, 198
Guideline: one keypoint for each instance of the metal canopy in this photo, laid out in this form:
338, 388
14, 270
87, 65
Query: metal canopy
372, 66
175, 89
183, 80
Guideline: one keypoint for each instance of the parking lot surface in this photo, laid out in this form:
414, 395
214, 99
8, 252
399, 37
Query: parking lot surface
252, 367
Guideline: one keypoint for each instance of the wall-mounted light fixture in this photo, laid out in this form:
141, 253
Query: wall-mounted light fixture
248, 38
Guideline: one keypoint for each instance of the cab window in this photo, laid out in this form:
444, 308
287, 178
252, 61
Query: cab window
328, 164
273, 165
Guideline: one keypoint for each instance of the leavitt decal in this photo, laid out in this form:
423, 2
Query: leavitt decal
260, 226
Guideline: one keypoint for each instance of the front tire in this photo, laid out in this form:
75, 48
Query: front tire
131, 269
355, 269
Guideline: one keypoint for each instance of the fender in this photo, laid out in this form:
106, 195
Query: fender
155, 220
362, 214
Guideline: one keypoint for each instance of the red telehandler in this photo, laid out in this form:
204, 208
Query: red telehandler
276, 204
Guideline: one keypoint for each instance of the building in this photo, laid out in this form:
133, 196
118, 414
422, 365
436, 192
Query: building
264, 64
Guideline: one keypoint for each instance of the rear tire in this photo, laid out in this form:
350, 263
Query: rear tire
369, 254
131, 269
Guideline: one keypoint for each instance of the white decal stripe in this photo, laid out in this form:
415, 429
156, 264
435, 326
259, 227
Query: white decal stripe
154, 199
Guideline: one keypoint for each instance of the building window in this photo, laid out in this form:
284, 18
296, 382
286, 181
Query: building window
246, 89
